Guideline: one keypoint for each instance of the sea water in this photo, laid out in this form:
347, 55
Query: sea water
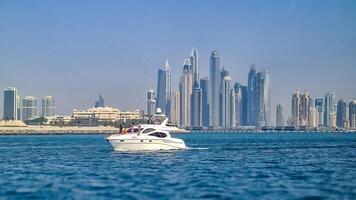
216, 166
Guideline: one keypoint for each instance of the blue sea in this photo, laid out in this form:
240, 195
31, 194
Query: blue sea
217, 166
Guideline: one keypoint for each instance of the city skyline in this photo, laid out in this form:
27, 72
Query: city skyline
318, 59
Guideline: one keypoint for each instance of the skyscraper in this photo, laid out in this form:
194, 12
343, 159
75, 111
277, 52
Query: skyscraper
164, 89
186, 93
150, 102
252, 97
232, 108
238, 104
223, 73
263, 98
319, 107
161, 91
352, 114
341, 117
175, 108
10, 104
330, 111
168, 88
196, 103
244, 98
214, 89
241, 104
296, 101
100, 102
305, 104
194, 60
226, 102
29, 108
280, 115
312, 117
48, 105
204, 85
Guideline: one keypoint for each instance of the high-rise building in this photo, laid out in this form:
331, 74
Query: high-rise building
11, 104
161, 91
204, 85
352, 114
168, 88
238, 104
223, 73
48, 106
100, 102
232, 108
150, 102
29, 108
341, 116
226, 102
305, 104
185, 87
244, 98
214, 89
301, 106
241, 109
175, 108
330, 110
280, 115
263, 98
296, 101
196, 106
252, 97
319, 107
164, 89
312, 117
194, 60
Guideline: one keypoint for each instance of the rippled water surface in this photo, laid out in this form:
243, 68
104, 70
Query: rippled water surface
219, 166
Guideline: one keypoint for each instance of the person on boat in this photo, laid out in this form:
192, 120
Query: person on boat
139, 130
120, 129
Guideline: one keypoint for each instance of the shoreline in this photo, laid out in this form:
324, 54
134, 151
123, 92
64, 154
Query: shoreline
56, 130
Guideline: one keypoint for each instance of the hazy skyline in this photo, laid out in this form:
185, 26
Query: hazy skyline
75, 51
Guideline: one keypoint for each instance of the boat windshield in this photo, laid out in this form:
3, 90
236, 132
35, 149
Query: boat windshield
148, 130
135, 130
158, 134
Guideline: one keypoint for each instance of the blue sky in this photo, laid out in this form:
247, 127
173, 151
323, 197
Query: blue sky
75, 50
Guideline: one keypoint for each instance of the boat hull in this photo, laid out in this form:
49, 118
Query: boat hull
146, 144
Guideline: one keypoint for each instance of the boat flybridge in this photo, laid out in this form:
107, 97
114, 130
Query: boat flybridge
165, 126
145, 138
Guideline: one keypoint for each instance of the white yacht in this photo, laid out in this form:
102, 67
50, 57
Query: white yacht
145, 139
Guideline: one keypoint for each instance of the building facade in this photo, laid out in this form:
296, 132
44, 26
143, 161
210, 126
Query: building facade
150, 102
100, 102
29, 108
263, 98
175, 108
186, 83
48, 106
280, 115
352, 114
330, 110
342, 120
194, 60
252, 97
226, 102
319, 107
196, 110
204, 85
214, 90
11, 104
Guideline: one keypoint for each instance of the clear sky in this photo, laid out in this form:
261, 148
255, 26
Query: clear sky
75, 50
